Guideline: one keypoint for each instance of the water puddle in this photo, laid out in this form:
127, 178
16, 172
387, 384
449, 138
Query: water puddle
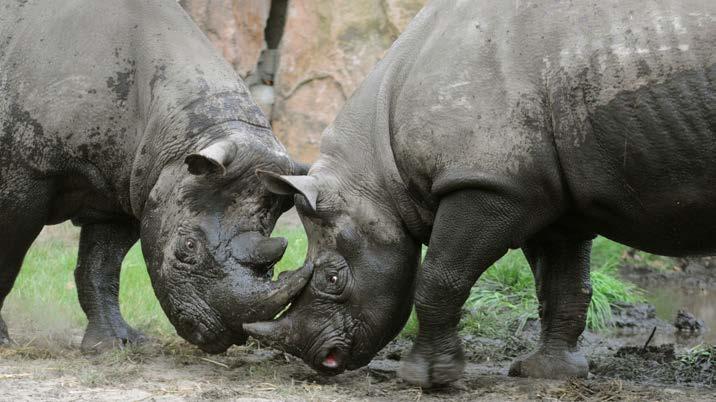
701, 303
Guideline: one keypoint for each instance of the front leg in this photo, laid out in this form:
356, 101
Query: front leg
103, 247
471, 231
560, 264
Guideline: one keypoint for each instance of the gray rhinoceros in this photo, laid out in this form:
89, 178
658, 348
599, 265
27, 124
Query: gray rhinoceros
491, 125
121, 116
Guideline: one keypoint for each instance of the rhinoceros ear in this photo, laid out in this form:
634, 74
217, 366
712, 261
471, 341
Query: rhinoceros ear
286, 185
212, 159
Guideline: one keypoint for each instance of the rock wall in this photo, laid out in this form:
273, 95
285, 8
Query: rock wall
236, 27
302, 58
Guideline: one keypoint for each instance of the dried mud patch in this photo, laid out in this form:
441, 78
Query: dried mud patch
660, 364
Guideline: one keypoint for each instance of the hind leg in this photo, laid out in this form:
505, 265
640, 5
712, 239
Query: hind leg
103, 247
23, 212
561, 268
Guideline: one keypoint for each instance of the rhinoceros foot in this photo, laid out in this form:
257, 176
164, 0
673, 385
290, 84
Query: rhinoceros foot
99, 339
555, 364
428, 367
4, 336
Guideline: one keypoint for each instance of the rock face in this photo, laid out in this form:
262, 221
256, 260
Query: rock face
236, 27
326, 49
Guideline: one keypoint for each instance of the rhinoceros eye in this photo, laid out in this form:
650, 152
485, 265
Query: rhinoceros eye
187, 250
332, 278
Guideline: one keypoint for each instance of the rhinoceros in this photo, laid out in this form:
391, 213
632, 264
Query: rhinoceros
120, 116
492, 125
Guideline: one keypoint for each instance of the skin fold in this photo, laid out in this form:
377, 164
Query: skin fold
492, 125
122, 117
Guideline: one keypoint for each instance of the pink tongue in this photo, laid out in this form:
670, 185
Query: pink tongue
330, 361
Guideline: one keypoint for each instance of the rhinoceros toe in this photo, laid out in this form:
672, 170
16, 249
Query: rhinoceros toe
554, 364
97, 340
429, 369
4, 336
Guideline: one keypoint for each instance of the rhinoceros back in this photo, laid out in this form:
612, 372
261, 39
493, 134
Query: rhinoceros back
606, 107
89, 88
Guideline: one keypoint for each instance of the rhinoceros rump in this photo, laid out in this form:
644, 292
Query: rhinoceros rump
119, 115
491, 125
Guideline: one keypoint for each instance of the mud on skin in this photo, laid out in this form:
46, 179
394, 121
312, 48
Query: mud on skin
488, 126
144, 132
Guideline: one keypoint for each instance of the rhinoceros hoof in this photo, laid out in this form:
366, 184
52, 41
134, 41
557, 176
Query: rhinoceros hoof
429, 370
555, 364
99, 340
4, 337
5, 340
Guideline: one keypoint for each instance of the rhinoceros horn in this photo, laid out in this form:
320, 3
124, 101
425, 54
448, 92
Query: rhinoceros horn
275, 333
275, 295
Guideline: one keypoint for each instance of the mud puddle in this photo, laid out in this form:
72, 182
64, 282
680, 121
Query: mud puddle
700, 302
679, 288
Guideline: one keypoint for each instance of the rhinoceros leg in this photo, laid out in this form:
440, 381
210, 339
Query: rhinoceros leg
12, 253
102, 249
24, 206
471, 231
561, 269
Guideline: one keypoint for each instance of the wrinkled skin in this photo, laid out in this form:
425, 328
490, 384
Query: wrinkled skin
492, 125
120, 116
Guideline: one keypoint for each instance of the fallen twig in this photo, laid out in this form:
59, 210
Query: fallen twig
8, 376
215, 362
653, 331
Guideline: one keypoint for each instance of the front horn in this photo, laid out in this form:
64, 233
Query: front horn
274, 296
274, 333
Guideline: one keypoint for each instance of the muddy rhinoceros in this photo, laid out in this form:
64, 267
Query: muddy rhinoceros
496, 124
121, 116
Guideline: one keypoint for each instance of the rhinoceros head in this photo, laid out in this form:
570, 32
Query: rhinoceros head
205, 236
363, 262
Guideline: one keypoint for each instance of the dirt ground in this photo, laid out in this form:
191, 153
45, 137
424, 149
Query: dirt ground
48, 369
49, 366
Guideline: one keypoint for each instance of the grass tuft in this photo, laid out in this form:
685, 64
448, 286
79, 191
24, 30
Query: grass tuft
504, 297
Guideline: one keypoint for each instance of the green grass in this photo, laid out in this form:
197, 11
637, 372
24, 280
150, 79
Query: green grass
44, 297
46, 283
503, 299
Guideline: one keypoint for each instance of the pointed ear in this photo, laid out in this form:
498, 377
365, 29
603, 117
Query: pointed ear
212, 159
285, 185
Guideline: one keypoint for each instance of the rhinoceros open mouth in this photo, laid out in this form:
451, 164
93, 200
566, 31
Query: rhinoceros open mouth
331, 359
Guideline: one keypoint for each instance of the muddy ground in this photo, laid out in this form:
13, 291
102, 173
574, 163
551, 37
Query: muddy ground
176, 371
49, 366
